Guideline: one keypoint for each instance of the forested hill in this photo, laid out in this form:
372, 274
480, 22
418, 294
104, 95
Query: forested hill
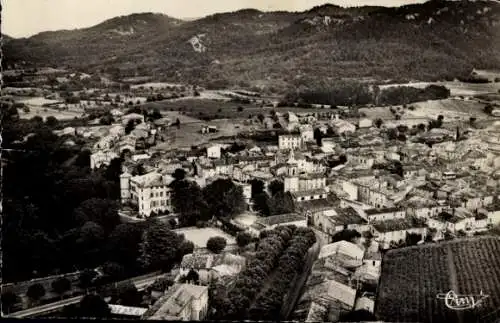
435, 40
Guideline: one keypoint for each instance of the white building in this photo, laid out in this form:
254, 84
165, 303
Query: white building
307, 133
182, 302
149, 192
214, 151
365, 123
289, 142
101, 158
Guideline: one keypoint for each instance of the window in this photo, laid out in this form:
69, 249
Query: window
374, 263
151, 195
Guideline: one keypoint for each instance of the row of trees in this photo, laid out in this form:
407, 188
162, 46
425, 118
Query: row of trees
269, 304
233, 304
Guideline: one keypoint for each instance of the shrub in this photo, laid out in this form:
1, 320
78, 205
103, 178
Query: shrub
216, 244
36, 291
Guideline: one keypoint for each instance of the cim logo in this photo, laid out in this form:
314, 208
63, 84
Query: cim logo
462, 302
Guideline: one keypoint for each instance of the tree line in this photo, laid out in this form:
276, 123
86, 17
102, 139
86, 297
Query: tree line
278, 256
351, 93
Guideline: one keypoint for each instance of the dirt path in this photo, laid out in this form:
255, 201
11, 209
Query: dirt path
453, 278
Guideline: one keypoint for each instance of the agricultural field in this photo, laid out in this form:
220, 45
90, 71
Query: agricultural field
47, 112
413, 278
451, 109
189, 133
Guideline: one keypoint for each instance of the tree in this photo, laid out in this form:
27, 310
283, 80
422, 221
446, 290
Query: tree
179, 174
347, 235
86, 278
261, 204
129, 126
276, 186
35, 292
161, 284
61, 285
186, 248
123, 245
160, 246
488, 109
191, 277
216, 244
101, 211
243, 239
156, 114
93, 306
9, 299
378, 122
106, 120
187, 200
281, 203
257, 186
113, 270
240, 108
224, 198
177, 123
318, 136
51, 121
261, 117
128, 294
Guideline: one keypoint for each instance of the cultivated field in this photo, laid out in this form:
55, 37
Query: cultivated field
450, 109
413, 277
47, 112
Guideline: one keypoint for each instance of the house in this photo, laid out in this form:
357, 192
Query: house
211, 266
374, 215
271, 222
214, 151
306, 133
120, 311
201, 263
290, 142
208, 129
305, 182
149, 192
100, 158
390, 232
365, 123
341, 126
343, 249
335, 219
181, 302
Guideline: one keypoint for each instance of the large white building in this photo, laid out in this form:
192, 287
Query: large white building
290, 142
100, 158
149, 192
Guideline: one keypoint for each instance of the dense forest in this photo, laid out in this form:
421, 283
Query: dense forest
349, 93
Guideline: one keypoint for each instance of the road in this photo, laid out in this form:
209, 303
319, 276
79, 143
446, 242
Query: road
140, 282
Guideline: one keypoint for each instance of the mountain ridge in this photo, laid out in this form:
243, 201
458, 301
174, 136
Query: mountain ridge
434, 40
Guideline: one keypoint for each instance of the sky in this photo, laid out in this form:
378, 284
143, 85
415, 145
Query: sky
24, 18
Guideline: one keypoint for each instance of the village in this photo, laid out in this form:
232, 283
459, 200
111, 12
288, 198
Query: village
363, 185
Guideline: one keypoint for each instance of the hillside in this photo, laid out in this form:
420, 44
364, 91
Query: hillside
435, 40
